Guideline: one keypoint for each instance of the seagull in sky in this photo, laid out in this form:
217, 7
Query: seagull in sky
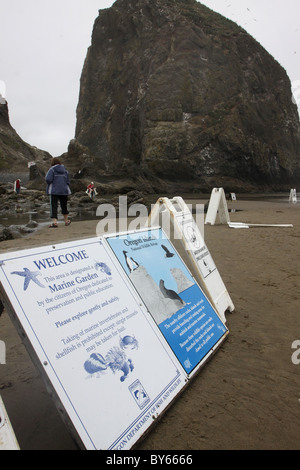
29, 276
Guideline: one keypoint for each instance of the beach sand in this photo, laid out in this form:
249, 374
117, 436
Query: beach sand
248, 395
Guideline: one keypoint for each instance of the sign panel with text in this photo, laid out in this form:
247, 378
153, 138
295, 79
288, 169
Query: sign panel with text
179, 307
101, 350
8, 439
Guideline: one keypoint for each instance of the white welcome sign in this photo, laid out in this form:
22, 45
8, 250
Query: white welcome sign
93, 340
8, 439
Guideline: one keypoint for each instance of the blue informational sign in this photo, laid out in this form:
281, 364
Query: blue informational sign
178, 305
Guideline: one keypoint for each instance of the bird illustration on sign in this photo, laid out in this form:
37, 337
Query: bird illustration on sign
130, 262
167, 251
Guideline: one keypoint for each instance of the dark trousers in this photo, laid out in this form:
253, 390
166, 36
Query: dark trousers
63, 200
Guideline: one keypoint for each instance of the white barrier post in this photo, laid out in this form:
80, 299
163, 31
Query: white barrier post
2, 352
217, 207
293, 196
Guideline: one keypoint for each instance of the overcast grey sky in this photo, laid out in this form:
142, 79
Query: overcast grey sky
43, 45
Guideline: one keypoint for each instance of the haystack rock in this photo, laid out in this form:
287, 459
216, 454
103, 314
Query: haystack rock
172, 89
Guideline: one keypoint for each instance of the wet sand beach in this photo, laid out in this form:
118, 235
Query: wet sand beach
248, 395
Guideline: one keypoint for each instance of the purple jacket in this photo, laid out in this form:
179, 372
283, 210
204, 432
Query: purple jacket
58, 181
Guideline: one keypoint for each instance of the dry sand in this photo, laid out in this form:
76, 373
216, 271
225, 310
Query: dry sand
248, 395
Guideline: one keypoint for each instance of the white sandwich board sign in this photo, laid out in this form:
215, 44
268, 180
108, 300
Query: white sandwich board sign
217, 207
102, 355
197, 252
293, 196
8, 439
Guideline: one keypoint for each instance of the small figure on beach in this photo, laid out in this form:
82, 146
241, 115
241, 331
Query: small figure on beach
58, 188
17, 186
91, 191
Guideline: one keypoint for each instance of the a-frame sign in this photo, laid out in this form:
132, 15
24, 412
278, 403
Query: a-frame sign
197, 253
217, 208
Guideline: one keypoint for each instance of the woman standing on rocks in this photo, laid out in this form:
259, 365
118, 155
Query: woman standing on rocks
58, 188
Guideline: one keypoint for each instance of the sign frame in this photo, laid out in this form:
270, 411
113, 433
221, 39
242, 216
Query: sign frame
170, 380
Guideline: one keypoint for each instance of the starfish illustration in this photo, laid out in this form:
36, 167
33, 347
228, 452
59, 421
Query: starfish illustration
29, 276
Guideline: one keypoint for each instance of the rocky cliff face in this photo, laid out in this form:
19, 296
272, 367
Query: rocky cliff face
15, 154
170, 88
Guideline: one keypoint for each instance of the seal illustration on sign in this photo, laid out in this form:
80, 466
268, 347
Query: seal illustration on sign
29, 276
169, 293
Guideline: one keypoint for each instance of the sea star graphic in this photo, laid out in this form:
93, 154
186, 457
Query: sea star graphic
29, 276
